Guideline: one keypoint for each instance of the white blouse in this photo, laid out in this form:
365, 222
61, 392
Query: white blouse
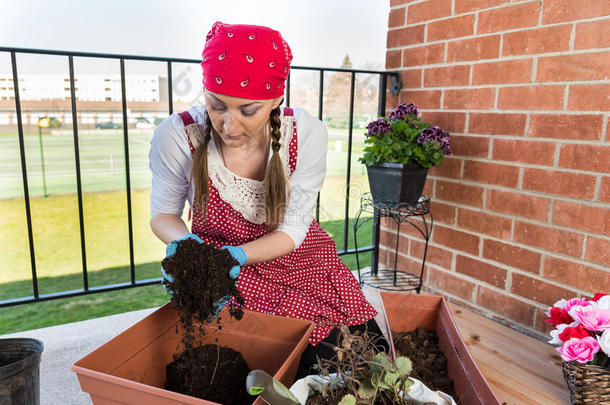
170, 162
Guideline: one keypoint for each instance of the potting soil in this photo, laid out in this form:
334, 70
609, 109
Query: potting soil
212, 373
200, 276
429, 362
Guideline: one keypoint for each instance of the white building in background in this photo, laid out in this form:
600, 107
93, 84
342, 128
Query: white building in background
144, 88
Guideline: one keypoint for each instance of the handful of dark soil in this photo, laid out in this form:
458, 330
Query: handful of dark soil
210, 372
200, 275
429, 362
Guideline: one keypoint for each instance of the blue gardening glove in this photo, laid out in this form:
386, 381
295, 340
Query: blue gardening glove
239, 255
170, 250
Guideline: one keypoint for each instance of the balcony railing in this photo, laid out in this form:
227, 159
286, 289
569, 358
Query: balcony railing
86, 287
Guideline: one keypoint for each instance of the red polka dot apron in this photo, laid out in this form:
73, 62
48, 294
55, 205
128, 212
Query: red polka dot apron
309, 283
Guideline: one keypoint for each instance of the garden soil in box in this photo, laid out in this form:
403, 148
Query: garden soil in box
405, 312
429, 361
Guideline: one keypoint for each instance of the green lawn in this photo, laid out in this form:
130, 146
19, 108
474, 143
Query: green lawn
55, 224
65, 310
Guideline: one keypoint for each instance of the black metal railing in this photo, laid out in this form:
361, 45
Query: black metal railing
87, 289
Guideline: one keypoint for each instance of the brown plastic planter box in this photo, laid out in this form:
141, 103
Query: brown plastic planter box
130, 369
407, 311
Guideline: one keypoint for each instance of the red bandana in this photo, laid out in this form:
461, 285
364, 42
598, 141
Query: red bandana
246, 61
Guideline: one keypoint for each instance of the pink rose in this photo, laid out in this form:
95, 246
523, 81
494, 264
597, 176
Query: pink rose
591, 317
576, 302
580, 350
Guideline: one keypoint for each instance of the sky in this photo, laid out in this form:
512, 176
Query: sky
319, 32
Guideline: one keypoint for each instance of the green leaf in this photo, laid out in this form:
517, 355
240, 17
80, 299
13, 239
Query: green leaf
366, 389
348, 400
407, 385
404, 364
391, 378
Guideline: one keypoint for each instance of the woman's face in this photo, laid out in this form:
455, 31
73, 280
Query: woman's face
238, 121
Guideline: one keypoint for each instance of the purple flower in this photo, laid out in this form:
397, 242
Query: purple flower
380, 126
436, 134
403, 110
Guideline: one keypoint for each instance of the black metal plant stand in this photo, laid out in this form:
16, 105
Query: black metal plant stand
393, 279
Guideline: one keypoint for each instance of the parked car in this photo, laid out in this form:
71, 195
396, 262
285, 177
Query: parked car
108, 125
159, 120
144, 123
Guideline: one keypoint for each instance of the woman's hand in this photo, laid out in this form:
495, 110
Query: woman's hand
239, 255
170, 250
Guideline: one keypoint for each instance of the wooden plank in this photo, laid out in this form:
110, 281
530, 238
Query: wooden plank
519, 368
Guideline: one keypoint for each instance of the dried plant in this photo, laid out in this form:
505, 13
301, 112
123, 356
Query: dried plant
362, 372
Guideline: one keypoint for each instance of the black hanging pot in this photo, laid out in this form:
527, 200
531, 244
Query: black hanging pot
395, 183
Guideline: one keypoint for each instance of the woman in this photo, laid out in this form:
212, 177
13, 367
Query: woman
251, 172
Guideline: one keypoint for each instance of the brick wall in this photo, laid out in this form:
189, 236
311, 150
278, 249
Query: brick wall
522, 213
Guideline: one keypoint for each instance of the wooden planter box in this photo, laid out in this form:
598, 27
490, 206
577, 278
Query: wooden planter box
407, 311
130, 369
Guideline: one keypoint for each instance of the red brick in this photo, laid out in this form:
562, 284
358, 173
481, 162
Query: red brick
464, 6
552, 239
537, 41
590, 66
512, 71
541, 324
443, 212
474, 49
423, 98
561, 10
604, 194
411, 78
447, 76
583, 217
393, 59
507, 18
512, 308
562, 183
451, 167
434, 254
576, 275
454, 239
398, 2
589, 97
397, 17
481, 271
450, 283
594, 34
508, 202
428, 10
481, 222
531, 98
598, 251
536, 152
538, 291
563, 126
491, 173
512, 255
469, 99
470, 146
585, 157
460, 193
497, 124
429, 187
424, 55
405, 36
403, 263
452, 28
449, 121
